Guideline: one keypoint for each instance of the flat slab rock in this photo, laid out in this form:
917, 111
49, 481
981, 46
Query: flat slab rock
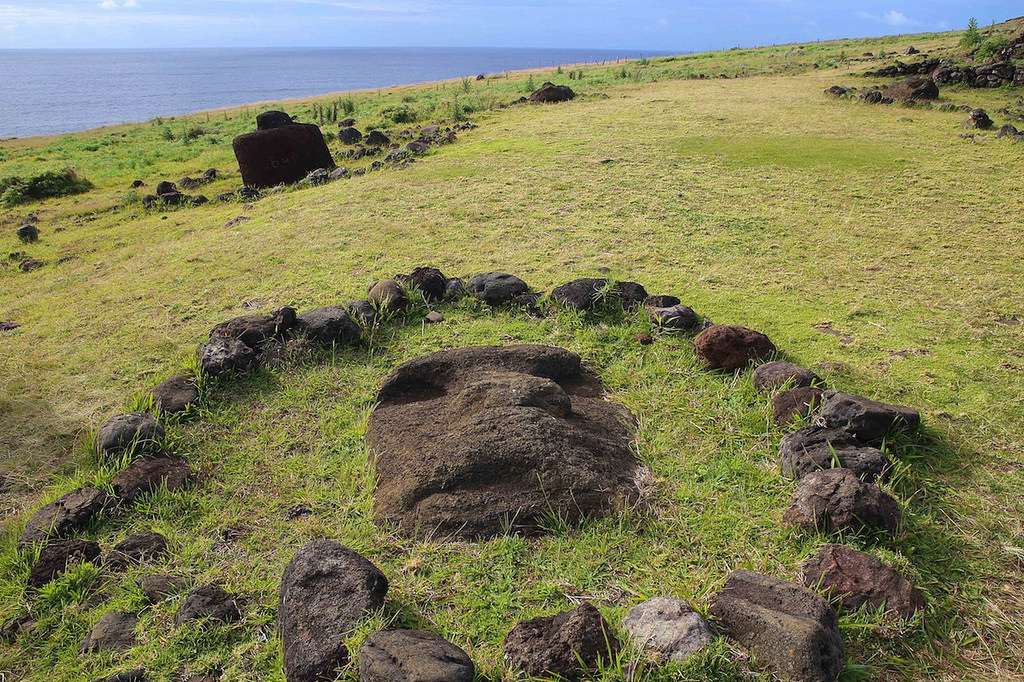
55, 558
868, 420
475, 441
147, 475
833, 499
159, 587
854, 579
327, 325
326, 590
667, 627
412, 656
65, 515
114, 631
731, 347
569, 644
813, 448
789, 629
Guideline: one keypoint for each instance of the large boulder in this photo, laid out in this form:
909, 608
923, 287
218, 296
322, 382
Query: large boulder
854, 579
549, 92
207, 601
667, 627
781, 374
146, 475
221, 355
62, 517
585, 293
175, 395
114, 631
834, 499
476, 441
913, 88
814, 448
281, 155
496, 288
328, 325
868, 420
789, 629
57, 557
326, 590
570, 644
134, 431
412, 656
731, 347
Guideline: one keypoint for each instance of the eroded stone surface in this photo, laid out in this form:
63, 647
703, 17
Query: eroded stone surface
569, 644
832, 499
146, 475
207, 601
62, 517
57, 557
327, 325
585, 293
139, 431
136, 549
496, 288
114, 631
853, 579
781, 373
731, 347
868, 420
670, 628
474, 441
412, 656
176, 394
813, 448
796, 404
221, 355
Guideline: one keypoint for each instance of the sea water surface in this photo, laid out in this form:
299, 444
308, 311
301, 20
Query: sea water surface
56, 91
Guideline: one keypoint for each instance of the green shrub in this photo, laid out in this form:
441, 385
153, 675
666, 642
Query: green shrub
15, 190
400, 114
972, 36
990, 48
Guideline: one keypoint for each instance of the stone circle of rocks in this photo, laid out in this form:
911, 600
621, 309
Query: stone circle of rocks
445, 471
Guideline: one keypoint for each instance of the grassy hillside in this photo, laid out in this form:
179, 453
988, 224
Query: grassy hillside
872, 242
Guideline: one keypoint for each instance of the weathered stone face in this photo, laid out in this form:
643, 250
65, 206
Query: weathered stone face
474, 441
281, 155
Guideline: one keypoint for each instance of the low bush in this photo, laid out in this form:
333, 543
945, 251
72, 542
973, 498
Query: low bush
15, 190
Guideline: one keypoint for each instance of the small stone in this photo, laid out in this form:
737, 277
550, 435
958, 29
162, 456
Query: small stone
363, 312
136, 549
149, 474
388, 296
222, 355
136, 675
30, 264
979, 119
673, 317
299, 511
661, 301
57, 557
570, 644
412, 656
853, 579
28, 233
430, 281
796, 404
328, 325
175, 395
68, 513
814, 448
114, 631
134, 431
668, 627
868, 420
730, 347
160, 587
834, 499
8, 325
434, 317
207, 601
644, 339
789, 629
496, 288
780, 374
454, 288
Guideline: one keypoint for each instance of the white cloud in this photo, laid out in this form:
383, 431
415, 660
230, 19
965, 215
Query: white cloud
108, 4
112, 4
891, 18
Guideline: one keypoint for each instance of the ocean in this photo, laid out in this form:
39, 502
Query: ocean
56, 91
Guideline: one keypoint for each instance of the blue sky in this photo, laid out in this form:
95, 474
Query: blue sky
638, 24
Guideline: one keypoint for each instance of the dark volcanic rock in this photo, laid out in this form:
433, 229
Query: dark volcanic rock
28, 233
58, 556
136, 549
836, 91
470, 442
139, 431
496, 288
165, 187
136, 675
430, 281
281, 155
795, 404
832, 499
328, 324
814, 448
731, 347
585, 293
669, 628
114, 631
221, 355
454, 288
362, 311
661, 301
207, 601
412, 656
376, 138
146, 475
978, 119
673, 317
569, 644
349, 135
160, 587
792, 631
549, 92
779, 374
269, 120
853, 579
326, 590
913, 88
388, 296
1007, 130
175, 395
62, 517
255, 330
868, 420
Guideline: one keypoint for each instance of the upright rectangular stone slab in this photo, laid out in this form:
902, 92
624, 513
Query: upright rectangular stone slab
789, 629
281, 155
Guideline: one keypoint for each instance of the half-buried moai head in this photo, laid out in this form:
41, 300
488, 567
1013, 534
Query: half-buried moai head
476, 441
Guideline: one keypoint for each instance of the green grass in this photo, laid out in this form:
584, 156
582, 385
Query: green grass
757, 200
